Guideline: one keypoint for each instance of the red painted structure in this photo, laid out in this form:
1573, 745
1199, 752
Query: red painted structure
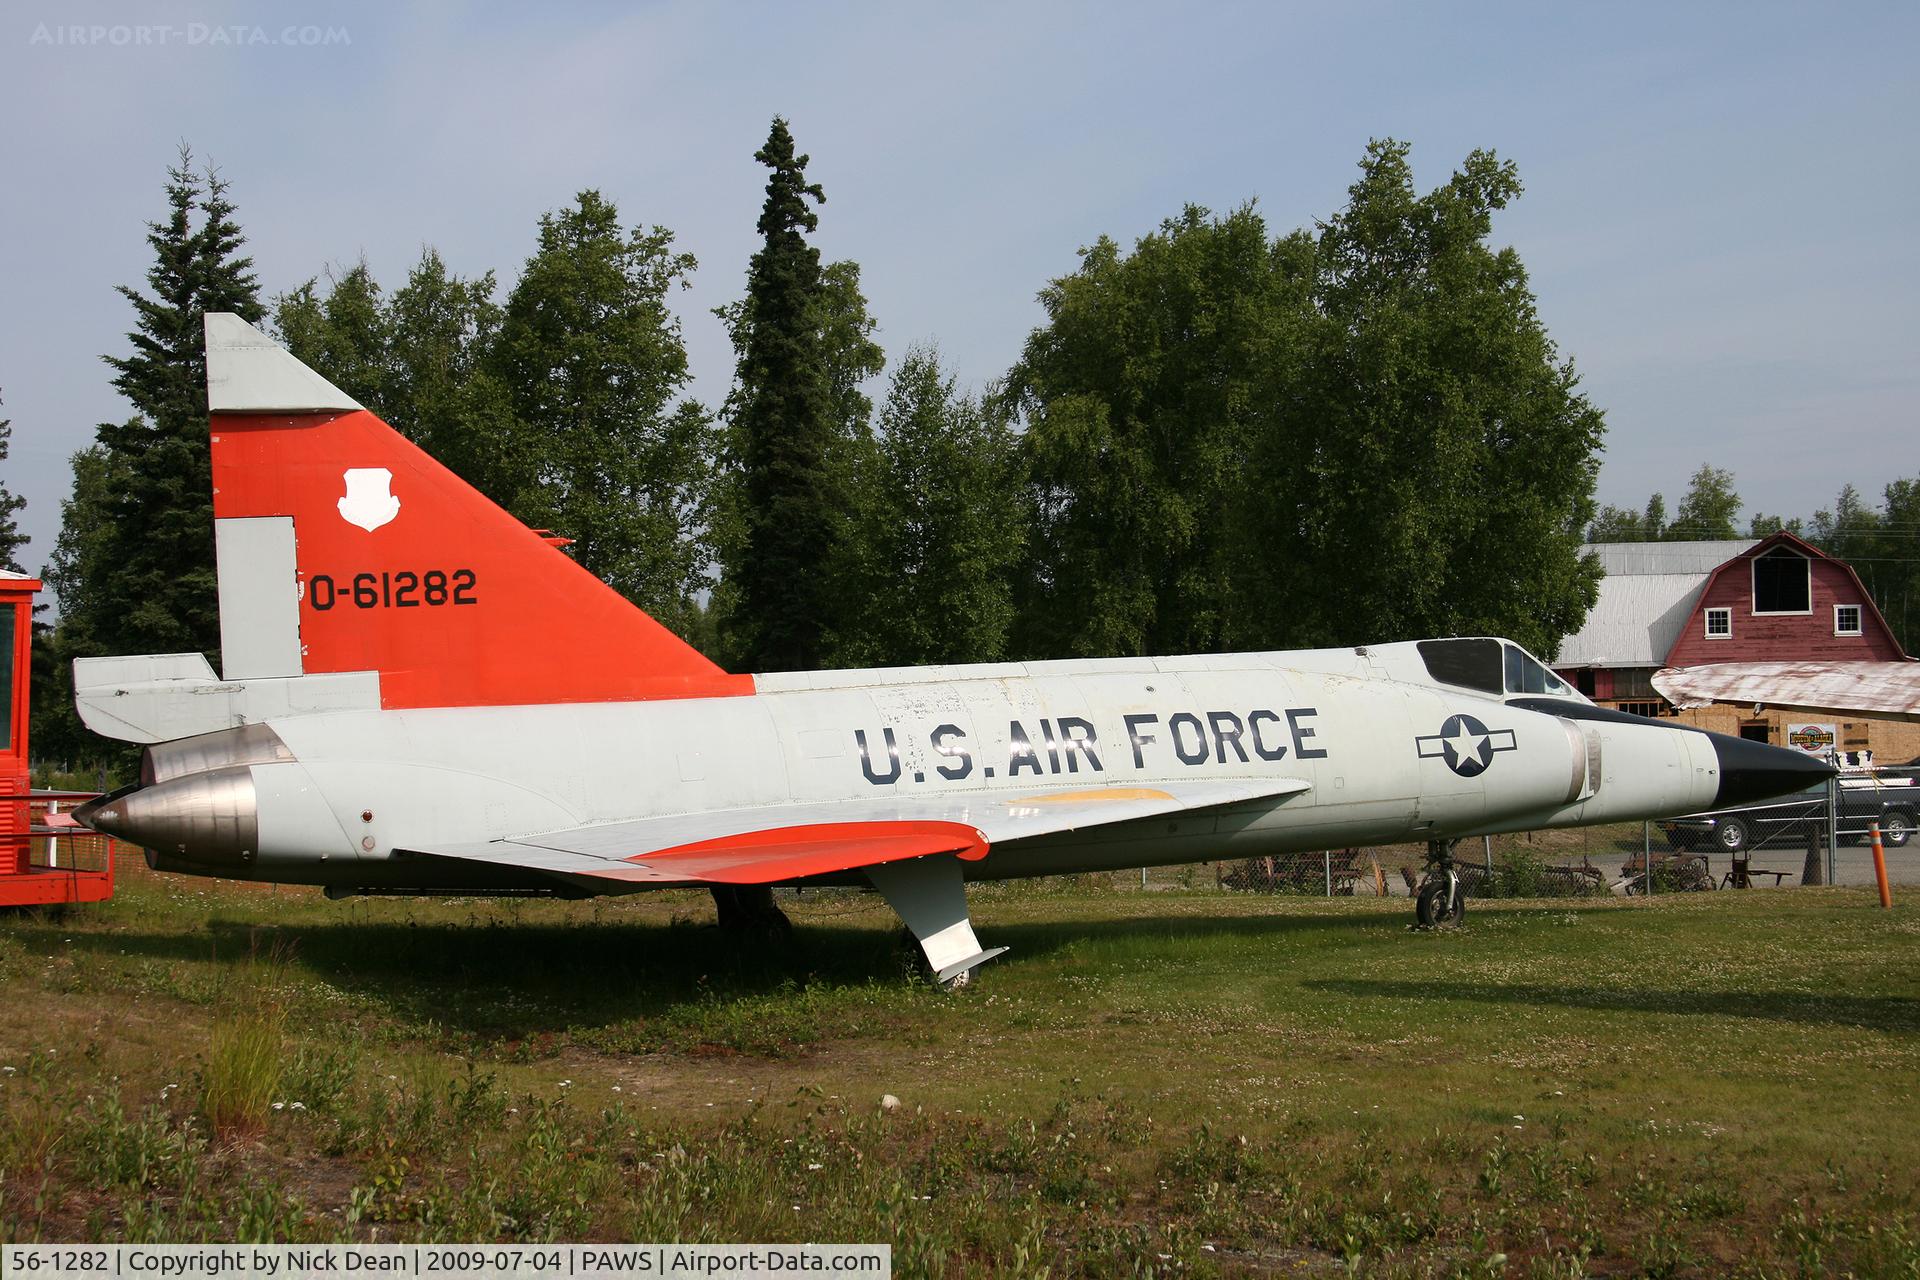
1756, 633
43, 860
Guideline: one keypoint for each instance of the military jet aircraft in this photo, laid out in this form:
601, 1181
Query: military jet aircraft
423, 696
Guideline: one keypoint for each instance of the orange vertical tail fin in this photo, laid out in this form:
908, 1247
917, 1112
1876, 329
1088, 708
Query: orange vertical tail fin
345, 547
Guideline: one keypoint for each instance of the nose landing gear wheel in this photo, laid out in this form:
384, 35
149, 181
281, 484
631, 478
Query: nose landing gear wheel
1436, 908
1442, 900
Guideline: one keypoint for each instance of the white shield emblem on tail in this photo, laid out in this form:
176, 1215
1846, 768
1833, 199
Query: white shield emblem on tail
368, 502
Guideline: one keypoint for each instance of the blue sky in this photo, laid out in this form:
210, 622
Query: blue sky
1720, 218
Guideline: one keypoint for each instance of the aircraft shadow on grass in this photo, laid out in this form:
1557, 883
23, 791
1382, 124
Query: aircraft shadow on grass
1896, 1014
513, 979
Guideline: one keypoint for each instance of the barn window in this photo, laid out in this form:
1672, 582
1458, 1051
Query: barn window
1633, 682
1782, 582
1846, 619
1719, 624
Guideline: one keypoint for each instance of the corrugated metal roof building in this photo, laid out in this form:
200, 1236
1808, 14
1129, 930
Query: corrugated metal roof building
1649, 591
1618, 559
1635, 622
1744, 661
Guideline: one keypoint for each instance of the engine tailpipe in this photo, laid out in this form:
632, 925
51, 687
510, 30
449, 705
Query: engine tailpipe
209, 818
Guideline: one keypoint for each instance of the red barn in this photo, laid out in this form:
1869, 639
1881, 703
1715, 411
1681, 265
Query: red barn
1716, 625
1784, 600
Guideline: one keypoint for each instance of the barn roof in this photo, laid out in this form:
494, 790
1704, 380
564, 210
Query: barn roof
1649, 590
1889, 689
1635, 622
1666, 558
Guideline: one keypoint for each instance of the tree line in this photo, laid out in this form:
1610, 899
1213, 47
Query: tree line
1222, 437
1882, 544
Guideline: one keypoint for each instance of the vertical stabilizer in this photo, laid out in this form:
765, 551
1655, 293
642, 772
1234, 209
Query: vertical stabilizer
345, 547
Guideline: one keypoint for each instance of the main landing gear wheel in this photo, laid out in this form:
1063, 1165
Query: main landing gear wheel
1442, 900
749, 909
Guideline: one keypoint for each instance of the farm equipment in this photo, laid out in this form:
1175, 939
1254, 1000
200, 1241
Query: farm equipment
45, 858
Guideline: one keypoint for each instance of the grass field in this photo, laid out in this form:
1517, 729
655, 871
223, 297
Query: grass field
1165, 1082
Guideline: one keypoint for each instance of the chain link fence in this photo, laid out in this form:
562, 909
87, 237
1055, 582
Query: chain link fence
1806, 839
1544, 864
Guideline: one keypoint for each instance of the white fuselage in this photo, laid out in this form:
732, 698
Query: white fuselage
1370, 744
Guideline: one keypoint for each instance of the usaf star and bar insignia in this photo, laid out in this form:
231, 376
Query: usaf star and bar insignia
1466, 745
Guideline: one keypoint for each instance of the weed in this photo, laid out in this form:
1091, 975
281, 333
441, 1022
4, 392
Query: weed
136, 1153
244, 1064
242, 1072
266, 1215
1493, 1168
319, 1075
1213, 1156
33, 1124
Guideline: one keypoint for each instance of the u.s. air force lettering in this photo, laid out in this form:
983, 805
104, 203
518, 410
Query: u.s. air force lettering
1466, 745
1071, 744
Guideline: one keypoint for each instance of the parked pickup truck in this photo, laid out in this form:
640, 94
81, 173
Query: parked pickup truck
1891, 798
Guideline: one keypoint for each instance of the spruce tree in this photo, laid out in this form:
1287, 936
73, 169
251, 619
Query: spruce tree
78, 571
152, 590
850, 357
788, 523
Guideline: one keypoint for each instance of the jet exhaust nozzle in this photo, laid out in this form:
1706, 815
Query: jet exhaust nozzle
210, 818
1752, 771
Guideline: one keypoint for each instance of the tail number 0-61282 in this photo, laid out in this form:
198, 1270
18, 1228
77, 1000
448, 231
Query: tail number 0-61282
404, 589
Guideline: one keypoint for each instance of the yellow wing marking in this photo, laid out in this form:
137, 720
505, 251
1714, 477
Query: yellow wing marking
1094, 797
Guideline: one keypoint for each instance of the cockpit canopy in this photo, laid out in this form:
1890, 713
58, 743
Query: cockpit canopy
1489, 666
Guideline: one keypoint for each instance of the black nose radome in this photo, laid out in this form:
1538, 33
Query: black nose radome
1755, 771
